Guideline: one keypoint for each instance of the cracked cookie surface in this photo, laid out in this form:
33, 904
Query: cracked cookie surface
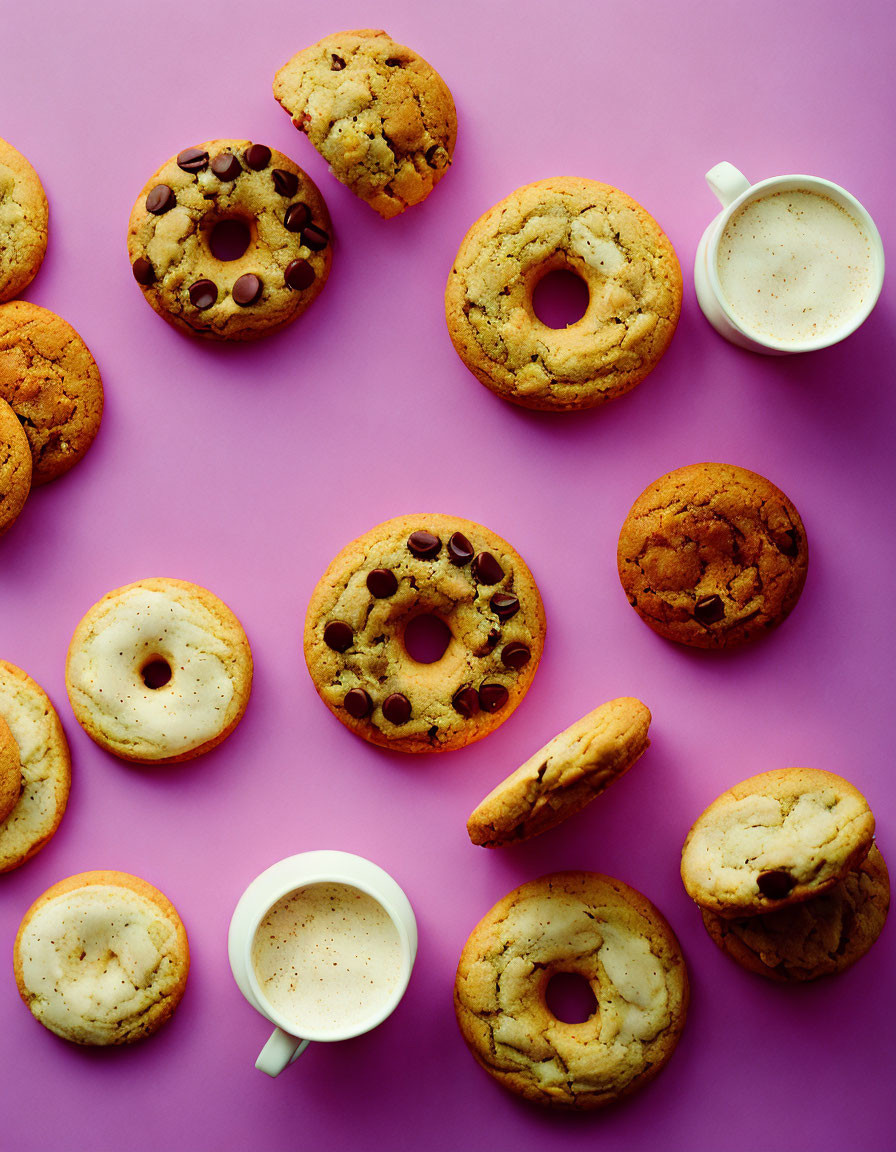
428, 565
15, 467
774, 840
23, 222
602, 930
564, 775
712, 555
378, 113
101, 958
619, 251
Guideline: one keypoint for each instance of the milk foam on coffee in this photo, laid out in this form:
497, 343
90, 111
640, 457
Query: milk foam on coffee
327, 957
794, 266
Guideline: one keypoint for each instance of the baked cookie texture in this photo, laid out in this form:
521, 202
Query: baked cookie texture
101, 958
424, 565
24, 218
822, 936
10, 771
159, 671
712, 555
52, 383
234, 182
15, 467
598, 927
564, 775
614, 245
382, 118
45, 767
774, 840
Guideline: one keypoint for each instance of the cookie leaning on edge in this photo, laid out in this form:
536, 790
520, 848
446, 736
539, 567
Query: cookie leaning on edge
15, 467
23, 222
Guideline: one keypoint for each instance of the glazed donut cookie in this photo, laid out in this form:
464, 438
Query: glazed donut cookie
44, 765
242, 193
424, 566
602, 930
15, 467
159, 671
23, 222
603, 236
101, 958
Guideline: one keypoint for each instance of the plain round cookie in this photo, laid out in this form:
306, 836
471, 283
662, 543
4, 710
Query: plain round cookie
820, 937
564, 775
774, 840
376, 111
52, 383
15, 467
10, 771
23, 222
712, 555
424, 565
599, 928
159, 671
45, 766
230, 183
101, 958
619, 251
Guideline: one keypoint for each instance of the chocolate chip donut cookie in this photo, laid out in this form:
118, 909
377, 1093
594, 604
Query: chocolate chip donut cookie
712, 555
381, 117
564, 776
23, 222
603, 236
101, 958
599, 928
159, 671
260, 201
424, 566
15, 467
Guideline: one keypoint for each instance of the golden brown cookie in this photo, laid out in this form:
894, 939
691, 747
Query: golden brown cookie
52, 383
199, 210
23, 222
101, 958
602, 930
159, 671
603, 236
712, 555
15, 467
564, 776
10, 771
382, 118
375, 590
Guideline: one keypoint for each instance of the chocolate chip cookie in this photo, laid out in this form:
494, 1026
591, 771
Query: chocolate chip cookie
23, 222
15, 467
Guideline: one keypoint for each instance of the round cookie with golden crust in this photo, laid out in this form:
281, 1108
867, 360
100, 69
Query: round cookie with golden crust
774, 840
230, 240
712, 555
44, 767
820, 937
375, 590
564, 775
15, 467
23, 222
159, 671
102, 958
602, 930
609, 241
381, 117
52, 383
10, 771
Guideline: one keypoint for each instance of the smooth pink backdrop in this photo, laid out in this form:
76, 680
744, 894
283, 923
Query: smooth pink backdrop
246, 469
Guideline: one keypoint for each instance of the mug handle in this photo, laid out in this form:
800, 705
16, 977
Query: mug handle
726, 182
280, 1051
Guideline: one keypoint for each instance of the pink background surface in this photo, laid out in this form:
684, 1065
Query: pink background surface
247, 469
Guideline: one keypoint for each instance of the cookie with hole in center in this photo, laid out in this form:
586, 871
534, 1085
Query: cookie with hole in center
443, 570
24, 220
15, 467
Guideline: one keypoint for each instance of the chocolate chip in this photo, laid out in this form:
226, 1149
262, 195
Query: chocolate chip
492, 697
357, 703
515, 655
709, 610
144, 273
298, 275
460, 550
160, 199
286, 183
247, 290
226, 166
296, 218
505, 605
338, 636
486, 569
466, 702
302, 122
397, 708
789, 544
382, 582
424, 545
203, 294
257, 156
430, 155
192, 159
336, 63
775, 884
493, 637
393, 62
315, 238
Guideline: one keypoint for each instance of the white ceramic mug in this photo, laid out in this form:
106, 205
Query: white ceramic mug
326, 868
734, 192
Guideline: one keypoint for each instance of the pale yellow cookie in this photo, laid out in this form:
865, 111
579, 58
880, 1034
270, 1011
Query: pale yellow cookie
23, 222
10, 771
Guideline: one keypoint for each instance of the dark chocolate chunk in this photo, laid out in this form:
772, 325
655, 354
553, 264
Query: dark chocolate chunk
192, 159
382, 582
336, 63
247, 290
144, 273
460, 550
286, 183
338, 636
505, 605
430, 155
226, 166
257, 156
775, 884
397, 708
393, 62
709, 610
315, 238
203, 294
424, 545
486, 569
160, 199
298, 275
515, 655
466, 702
492, 697
296, 217
789, 543
357, 703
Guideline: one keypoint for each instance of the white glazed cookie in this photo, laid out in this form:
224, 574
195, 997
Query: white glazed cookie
45, 767
101, 958
159, 671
